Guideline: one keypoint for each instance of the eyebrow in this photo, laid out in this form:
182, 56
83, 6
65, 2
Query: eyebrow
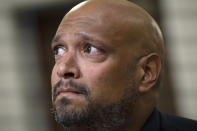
88, 38
57, 38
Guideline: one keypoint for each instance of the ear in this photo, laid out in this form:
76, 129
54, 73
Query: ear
149, 70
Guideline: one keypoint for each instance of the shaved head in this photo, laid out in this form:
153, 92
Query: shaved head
113, 51
139, 27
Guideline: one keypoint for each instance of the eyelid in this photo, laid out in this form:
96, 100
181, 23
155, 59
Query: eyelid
97, 46
55, 48
55, 45
58, 46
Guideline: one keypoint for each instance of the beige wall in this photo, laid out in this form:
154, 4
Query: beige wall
21, 101
12, 104
180, 22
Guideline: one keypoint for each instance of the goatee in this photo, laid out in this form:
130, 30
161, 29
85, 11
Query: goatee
94, 116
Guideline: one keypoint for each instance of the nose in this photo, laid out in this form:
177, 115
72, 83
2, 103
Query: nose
68, 68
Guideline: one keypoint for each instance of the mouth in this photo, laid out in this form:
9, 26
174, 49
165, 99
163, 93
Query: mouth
67, 92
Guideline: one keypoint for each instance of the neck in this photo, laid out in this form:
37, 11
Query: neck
142, 111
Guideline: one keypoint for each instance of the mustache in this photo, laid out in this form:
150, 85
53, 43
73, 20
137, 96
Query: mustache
81, 88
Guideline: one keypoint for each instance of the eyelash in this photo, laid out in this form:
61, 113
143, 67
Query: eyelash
84, 49
56, 48
87, 46
90, 45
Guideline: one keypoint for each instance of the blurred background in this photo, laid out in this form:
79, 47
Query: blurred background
26, 30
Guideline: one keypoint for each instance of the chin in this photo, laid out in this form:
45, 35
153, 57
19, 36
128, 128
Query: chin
69, 114
70, 105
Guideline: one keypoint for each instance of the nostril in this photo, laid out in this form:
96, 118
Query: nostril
69, 75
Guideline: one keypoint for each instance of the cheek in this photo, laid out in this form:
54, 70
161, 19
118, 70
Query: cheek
54, 78
106, 81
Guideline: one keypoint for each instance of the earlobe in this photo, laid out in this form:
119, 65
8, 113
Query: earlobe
150, 67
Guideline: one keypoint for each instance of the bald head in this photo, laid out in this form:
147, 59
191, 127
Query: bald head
122, 19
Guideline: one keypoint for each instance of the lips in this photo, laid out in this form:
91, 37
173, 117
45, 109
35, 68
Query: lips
67, 90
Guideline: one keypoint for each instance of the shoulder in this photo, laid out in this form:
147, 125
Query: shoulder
175, 123
165, 122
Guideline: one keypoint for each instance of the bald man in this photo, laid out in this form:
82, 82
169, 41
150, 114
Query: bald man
108, 61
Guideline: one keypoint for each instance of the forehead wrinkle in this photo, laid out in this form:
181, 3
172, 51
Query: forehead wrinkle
78, 20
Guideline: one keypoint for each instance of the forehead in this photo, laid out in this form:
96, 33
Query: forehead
77, 22
96, 13
89, 28
105, 21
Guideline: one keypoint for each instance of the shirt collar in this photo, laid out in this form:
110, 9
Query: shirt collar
153, 122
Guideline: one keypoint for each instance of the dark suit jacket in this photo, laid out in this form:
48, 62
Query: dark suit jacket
164, 122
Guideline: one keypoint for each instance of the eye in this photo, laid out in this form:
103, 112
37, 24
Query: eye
90, 49
59, 50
